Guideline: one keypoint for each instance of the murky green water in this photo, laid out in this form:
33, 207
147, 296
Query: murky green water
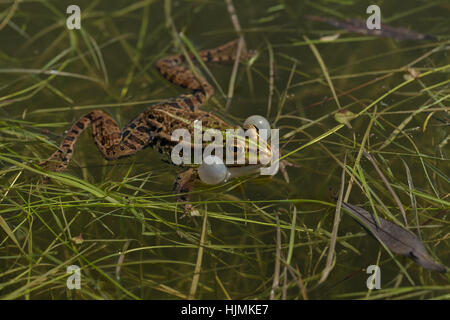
110, 65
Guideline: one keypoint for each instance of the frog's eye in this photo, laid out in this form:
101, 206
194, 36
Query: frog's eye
212, 170
236, 148
260, 123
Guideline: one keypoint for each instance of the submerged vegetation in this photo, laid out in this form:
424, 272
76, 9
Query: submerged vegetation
363, 119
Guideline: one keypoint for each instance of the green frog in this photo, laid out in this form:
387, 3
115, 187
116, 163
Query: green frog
154, 126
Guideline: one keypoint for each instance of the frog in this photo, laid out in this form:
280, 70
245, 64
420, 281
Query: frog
154, 126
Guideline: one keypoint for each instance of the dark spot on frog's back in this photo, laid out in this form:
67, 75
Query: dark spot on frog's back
174, 104
125, 133
195, 96
144, 129
129, 145
171, 77
136, 140
80, 125
189, 102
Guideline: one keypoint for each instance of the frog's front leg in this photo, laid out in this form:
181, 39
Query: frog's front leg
182, 186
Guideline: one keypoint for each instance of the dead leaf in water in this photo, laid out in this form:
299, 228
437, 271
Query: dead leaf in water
344, 116
396, 238
330, 38
386, 31
78, 239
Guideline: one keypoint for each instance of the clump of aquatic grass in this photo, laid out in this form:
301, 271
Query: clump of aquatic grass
257, 238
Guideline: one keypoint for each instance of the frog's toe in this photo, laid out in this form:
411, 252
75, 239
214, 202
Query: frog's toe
182, 187
193, 212
283, 165
189, 211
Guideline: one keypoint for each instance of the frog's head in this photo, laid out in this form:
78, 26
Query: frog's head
245, 152
258, 129
248, 147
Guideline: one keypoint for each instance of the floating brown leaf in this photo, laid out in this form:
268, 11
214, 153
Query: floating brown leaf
396, 238
386, 31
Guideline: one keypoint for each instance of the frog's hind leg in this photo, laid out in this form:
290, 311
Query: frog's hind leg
183, 185
171, 68
60, 159
110, 140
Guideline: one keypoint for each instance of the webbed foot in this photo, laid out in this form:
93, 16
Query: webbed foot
182, 186
283, 165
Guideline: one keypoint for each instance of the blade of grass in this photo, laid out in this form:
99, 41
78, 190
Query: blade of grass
198, 265
334, 232
324, 70
271, 77
388, 186
412, 197
276, 273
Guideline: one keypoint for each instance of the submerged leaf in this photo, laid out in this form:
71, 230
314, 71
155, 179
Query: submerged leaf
396, 238
78, 239
344, 116
330, 38
412, 74
386, 31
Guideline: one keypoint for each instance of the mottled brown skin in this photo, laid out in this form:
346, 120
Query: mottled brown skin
154, 126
